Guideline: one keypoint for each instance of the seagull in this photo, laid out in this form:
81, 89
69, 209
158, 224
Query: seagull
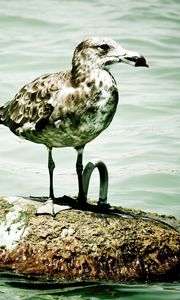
70, 108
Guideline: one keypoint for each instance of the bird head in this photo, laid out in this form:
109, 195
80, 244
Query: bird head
103, 52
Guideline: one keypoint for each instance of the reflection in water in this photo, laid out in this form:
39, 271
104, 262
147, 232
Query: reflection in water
20, 287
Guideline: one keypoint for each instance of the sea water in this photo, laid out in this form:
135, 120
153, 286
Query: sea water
141, 147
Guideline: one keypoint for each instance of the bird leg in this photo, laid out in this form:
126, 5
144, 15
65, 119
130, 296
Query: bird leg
50, 207
79, 169
51, 166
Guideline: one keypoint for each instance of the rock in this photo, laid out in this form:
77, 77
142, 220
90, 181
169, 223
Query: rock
85, 245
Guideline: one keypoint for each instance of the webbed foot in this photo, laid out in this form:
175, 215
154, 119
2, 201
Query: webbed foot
51, 208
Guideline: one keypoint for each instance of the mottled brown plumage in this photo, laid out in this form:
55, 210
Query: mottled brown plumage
71, 108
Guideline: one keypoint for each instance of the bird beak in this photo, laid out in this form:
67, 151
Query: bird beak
135, 59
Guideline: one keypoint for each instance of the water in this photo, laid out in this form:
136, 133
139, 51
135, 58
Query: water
141, 147
23, 290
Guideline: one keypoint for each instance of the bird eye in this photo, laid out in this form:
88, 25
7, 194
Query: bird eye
105, 47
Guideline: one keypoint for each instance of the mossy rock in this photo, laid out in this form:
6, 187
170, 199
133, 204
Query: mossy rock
84, 245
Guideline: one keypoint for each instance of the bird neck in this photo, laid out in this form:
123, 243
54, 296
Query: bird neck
79, 73
83, 65
83, 72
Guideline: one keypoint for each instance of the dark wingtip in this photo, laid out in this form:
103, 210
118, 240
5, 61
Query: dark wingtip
1, 122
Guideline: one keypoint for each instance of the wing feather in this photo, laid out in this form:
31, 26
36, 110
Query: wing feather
31, 103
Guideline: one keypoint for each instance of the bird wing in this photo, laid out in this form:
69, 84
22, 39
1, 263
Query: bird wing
31, 103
